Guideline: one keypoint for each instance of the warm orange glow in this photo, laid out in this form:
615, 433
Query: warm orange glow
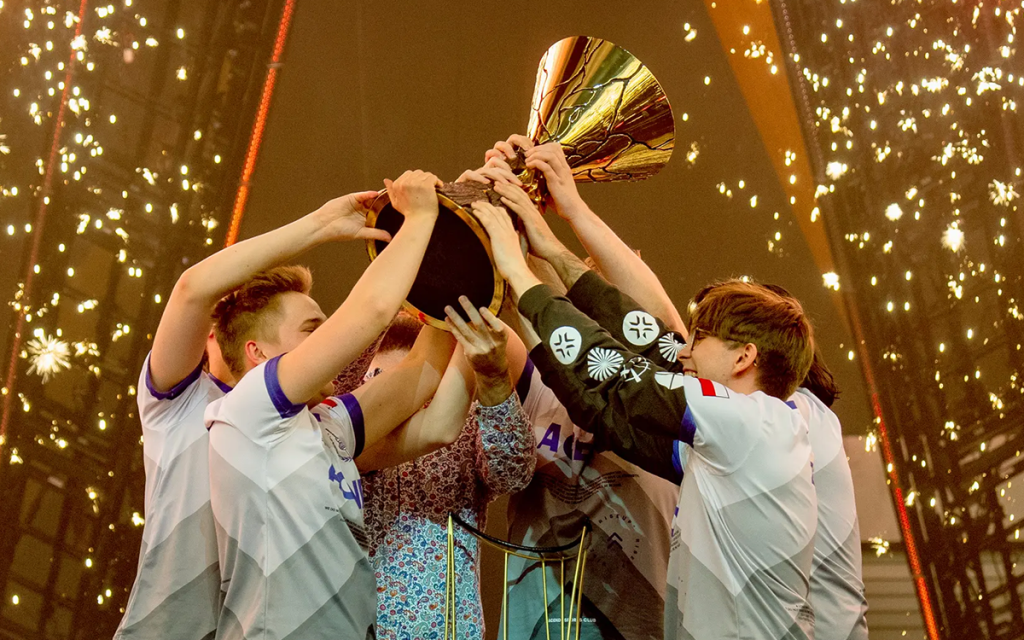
256, 138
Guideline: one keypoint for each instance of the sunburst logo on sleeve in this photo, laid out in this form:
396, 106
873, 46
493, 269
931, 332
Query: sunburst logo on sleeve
669, 347
603, 363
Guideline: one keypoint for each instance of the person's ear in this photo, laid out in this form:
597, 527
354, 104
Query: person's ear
746, 359
254, 354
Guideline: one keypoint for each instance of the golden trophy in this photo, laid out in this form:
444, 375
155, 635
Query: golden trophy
614, 122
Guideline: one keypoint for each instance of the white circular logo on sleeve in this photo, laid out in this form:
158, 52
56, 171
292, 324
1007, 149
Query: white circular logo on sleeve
640, 328
565, 343
603, 363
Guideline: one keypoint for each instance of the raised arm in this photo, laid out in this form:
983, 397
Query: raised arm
374, 299
614, 259
633, 406
480, 364
392, 397
185, 324
432, 427
505, 457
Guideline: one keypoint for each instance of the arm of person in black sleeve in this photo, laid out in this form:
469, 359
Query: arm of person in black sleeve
624, 318
603, 385
619, 314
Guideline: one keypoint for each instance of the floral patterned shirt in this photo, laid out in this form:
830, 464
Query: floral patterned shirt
406, 517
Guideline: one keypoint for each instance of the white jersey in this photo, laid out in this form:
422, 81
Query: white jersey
175, 595
630, 511
837, 585
743, 534
287, 501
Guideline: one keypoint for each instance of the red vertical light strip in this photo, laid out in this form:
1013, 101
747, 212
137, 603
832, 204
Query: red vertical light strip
909, 542
258, 127
37, 228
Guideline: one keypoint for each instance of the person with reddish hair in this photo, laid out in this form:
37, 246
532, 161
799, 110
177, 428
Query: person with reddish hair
176, 591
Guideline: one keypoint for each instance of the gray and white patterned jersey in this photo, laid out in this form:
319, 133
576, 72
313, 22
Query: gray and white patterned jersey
287, 501
175, 596
837, 584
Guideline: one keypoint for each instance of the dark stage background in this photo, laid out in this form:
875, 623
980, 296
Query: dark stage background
371, 89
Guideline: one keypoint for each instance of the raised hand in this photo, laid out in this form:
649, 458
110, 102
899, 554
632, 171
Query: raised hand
494, 172
483, 339
344, 218
505, 247
506, 149
550, 160
542, 240
414, 194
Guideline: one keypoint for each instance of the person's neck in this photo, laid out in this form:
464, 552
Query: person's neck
746, 384
222, 373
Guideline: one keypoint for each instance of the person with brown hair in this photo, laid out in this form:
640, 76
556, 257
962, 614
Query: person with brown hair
744, 529
175, 595
286, 494
837, 582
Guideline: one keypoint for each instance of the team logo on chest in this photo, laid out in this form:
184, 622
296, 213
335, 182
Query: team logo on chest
640, 328
351, 490
603, 363
565, 343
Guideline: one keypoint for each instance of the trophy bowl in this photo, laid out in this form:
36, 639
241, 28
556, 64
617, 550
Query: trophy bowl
614, 122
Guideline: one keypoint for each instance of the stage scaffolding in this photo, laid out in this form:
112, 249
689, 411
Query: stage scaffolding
126, 129
911, 120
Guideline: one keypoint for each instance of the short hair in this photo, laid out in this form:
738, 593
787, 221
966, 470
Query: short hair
744, 312
250, 312
819, 380
401, 335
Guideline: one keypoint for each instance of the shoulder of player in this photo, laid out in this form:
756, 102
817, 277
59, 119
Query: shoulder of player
711, 400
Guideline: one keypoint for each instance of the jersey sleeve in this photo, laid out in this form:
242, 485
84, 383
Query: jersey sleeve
257, 406
159, 409
603, 385
505, 458
625, 320
721, 425
662, 456
625, 399
341, 419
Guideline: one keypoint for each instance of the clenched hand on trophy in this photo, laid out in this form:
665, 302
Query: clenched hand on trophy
598, 115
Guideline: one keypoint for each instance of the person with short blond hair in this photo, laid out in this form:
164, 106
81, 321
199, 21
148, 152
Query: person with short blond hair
285, 490
176, 592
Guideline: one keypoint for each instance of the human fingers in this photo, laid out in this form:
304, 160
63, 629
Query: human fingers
474, 316
544, 167
463, 333
497, 326
470, 175
505, 148
499, 175
364, 199
521, 141
369, 233
498, 161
